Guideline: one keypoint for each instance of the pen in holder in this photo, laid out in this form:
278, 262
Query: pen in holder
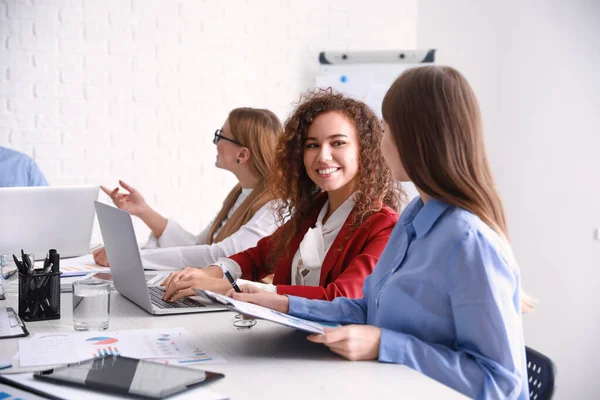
39, 296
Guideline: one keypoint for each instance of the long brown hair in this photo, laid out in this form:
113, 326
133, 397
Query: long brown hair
374, 185
259, 130
435, 120
434, 117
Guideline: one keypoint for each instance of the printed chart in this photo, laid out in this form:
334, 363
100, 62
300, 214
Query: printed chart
175, 346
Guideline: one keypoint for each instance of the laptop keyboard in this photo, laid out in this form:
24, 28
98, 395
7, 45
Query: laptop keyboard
156, 294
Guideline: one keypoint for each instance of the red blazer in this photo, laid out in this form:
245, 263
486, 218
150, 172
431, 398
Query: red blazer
346, 264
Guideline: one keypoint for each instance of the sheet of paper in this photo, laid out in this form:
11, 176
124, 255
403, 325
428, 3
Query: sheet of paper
67, 347
256, 311
11, 393
68, 392
66, 282
77, 266
5, 362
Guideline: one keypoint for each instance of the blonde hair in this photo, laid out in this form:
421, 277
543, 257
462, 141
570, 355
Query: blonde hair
258, 130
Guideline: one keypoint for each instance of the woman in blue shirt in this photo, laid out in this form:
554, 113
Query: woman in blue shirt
445, 296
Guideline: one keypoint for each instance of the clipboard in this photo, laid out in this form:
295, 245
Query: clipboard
13, 326
260, 312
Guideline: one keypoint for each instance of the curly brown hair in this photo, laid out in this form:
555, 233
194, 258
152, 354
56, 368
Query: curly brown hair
297, 191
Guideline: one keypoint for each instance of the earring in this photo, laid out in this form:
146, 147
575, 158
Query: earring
237, 161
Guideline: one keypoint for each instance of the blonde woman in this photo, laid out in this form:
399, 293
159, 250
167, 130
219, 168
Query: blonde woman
245, 147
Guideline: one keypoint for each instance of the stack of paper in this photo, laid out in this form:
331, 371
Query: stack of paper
175, 346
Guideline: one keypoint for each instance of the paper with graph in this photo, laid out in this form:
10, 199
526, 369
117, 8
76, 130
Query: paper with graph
77, 266
174, 345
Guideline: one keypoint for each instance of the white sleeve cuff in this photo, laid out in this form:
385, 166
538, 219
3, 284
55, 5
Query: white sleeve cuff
151, 243
228, 264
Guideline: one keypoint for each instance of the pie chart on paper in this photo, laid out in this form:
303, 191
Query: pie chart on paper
101, 340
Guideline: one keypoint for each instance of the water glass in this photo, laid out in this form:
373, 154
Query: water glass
7, 264
91, 304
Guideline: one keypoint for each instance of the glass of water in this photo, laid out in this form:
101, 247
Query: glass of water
91, 304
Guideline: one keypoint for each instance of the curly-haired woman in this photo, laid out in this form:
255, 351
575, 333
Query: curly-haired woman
333, 177
445, 298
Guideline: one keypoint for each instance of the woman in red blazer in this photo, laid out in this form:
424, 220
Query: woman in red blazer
333, 177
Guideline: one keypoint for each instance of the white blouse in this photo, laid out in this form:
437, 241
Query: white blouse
177, 248
308, 260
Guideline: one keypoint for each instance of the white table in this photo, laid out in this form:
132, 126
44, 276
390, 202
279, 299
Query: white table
268, 361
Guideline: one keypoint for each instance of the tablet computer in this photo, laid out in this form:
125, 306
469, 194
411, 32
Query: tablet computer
128, 376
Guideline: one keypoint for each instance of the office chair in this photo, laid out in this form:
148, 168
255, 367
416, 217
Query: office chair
540, 372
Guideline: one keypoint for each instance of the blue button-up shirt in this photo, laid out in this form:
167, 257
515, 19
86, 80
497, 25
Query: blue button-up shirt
446, 294
18, 169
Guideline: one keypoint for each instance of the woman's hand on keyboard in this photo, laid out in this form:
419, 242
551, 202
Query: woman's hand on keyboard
185, 286
208, 272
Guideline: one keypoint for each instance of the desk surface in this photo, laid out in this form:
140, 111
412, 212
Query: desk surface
268, 361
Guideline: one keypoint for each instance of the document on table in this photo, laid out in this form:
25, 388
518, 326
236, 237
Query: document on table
77, 266
173, 345
12, 393
268, 314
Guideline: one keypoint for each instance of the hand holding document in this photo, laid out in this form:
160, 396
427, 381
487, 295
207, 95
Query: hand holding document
256, 311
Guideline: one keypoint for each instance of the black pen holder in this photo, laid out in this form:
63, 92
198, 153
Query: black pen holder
39, 296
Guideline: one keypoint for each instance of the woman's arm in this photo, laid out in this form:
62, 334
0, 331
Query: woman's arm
172, 235
263, 223
252, 262
135, 204
341, 310
350, 282
487, 359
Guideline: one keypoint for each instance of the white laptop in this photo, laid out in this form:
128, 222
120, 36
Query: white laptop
40, 218
127, 270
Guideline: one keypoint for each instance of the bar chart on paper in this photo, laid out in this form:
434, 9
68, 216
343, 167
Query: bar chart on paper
106, 351
173, 345
80, 270
104, 346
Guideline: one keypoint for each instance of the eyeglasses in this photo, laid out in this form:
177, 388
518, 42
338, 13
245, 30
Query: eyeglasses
219, 136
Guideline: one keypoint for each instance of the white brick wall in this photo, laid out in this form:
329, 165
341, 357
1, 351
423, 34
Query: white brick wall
100, 90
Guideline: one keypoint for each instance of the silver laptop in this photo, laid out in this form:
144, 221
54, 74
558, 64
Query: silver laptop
127, 270
37, 219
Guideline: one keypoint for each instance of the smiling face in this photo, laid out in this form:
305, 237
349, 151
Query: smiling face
331, 152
